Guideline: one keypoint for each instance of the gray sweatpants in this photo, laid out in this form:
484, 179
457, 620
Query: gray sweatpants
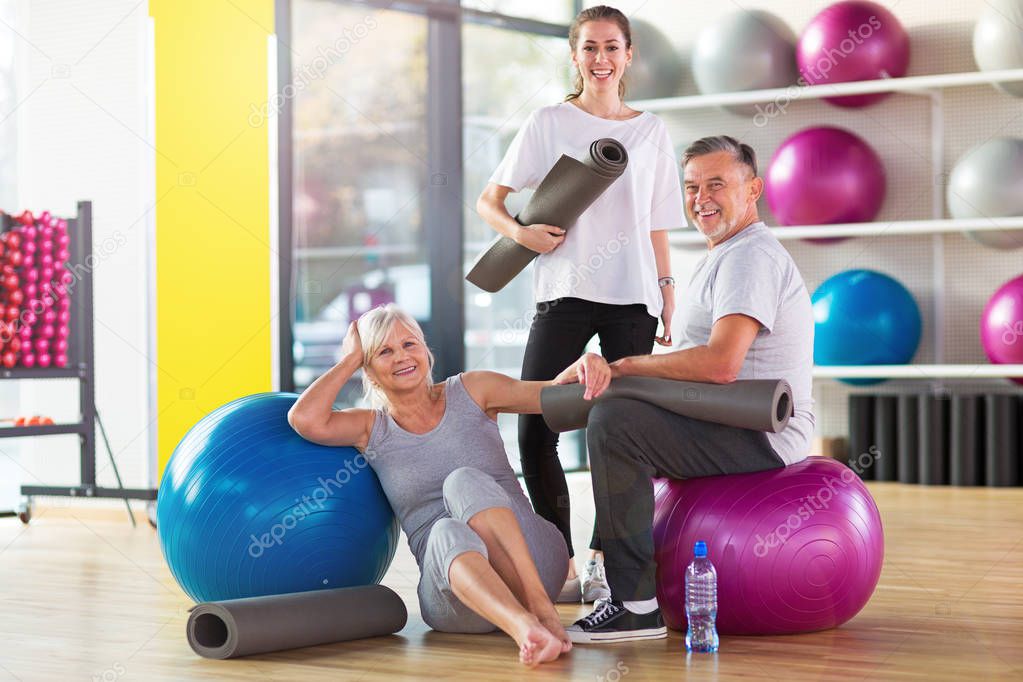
468, 491
630, 442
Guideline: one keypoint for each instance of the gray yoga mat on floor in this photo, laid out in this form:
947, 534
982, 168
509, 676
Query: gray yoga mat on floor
758, 404
566, 191
258, 625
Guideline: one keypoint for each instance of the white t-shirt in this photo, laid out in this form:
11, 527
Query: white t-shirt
752, 274
607, 256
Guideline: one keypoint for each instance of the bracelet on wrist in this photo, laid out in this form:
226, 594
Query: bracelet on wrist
665, 281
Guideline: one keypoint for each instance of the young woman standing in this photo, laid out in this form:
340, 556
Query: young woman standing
610, 276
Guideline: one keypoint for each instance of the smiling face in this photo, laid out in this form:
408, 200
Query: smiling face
601, 55
401, 363
720, 195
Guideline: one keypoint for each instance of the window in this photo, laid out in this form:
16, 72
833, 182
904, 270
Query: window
359, 170
558, 12
367, 122
505, 76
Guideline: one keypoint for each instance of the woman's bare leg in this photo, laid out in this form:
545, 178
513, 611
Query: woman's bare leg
477, 585
511, 559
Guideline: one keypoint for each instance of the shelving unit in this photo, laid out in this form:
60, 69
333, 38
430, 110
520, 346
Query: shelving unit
966, 371
929, 86
82, 368
914, 85
690, 237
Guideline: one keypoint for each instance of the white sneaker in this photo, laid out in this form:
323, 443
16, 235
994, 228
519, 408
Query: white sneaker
571, 592
595, 582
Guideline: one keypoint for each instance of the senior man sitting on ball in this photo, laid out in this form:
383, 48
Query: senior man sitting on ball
745, 315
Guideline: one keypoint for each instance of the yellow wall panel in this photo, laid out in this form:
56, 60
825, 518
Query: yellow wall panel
213, 250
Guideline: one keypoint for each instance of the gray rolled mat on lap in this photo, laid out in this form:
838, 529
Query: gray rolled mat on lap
758, 404
257, 625
566, 191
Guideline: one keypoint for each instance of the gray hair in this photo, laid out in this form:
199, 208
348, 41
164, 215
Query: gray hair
374, 326
741, 152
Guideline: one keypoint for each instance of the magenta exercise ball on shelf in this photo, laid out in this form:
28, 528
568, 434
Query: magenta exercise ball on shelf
987, 182
1001, 325
822, 176
853, 41
797, 549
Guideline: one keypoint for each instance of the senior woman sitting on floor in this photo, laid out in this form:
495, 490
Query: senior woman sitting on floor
485, 558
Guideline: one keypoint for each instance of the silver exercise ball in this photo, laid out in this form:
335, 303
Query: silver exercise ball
998, 40
745, 50
987, 182
656, 69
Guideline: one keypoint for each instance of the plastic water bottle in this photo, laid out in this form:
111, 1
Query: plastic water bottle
701, 602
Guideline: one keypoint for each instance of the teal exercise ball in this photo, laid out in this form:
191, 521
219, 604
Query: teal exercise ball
864, 317
247, 508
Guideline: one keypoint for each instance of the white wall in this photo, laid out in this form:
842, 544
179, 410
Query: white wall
83, 133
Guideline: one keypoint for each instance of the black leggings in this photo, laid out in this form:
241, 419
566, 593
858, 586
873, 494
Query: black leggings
557, 337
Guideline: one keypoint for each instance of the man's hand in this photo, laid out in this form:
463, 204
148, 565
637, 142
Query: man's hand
591, 370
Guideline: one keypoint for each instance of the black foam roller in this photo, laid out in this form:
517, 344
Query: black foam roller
758, 404
966, 441
861, 435
566, 191
886, 437
908, 442
933, 451
1002, 447
258, 625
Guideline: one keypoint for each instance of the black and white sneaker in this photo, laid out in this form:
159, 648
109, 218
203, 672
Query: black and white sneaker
610, 621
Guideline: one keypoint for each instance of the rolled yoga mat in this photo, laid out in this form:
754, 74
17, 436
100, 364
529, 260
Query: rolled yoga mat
566, 191
966, 440
908, 438
886, 430
860, 458
758, 404
257, 625
933, 433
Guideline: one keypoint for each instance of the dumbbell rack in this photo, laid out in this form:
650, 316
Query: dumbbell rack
81, 366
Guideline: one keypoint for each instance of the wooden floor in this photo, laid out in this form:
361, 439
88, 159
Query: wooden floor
84, 596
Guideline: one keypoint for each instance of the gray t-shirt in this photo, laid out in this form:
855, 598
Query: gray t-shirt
752, 274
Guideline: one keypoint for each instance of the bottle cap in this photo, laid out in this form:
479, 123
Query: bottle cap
700, 549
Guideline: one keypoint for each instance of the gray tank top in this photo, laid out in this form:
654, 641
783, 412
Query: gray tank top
412, 467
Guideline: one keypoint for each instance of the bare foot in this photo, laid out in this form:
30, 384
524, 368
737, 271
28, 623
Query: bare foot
549, 618
537, 645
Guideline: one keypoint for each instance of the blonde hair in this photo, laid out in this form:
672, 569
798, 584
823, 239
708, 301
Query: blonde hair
598, 13
374, 326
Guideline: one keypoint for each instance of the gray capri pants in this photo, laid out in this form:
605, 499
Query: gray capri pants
468, 491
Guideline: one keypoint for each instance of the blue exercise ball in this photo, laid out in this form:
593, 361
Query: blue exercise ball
247, 507
863, 317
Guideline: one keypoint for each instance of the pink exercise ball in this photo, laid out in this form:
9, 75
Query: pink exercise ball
1001, 325
853, 41
796, 549
824, 175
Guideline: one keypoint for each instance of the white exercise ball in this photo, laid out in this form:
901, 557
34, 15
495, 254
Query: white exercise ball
745, 50
998, 40
987, 182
